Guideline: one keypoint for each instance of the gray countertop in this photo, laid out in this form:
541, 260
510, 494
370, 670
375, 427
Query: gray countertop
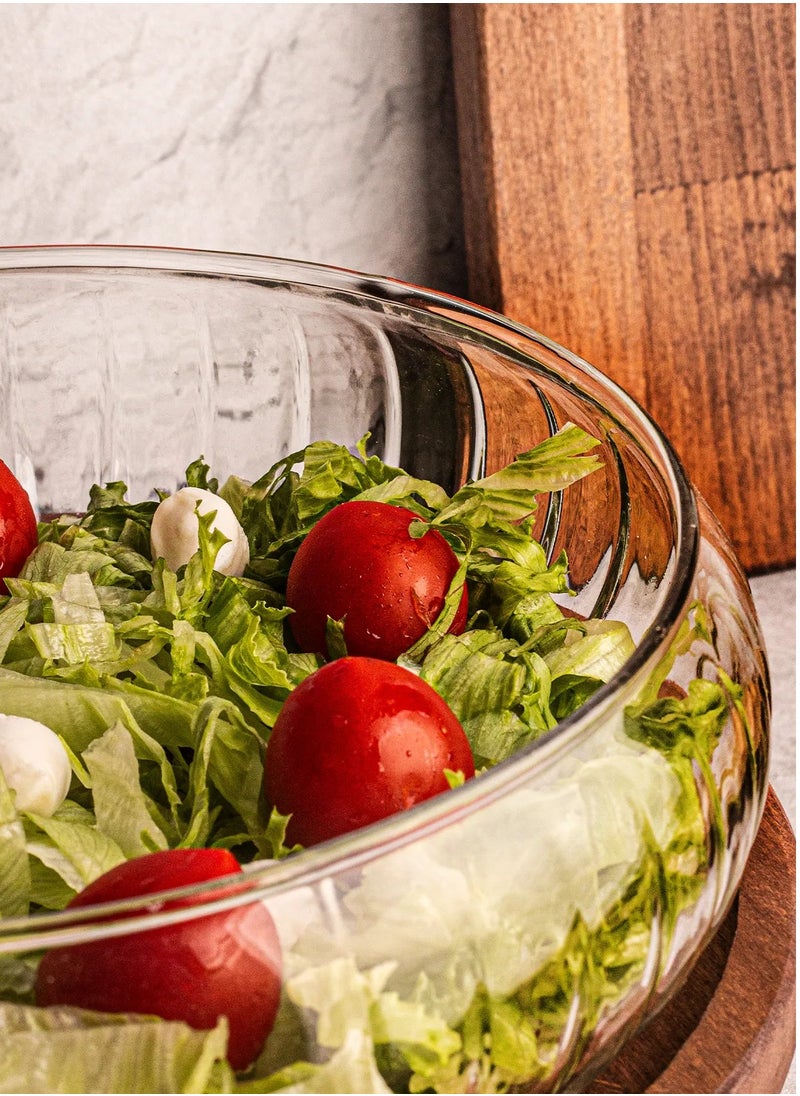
774, 595
775, 598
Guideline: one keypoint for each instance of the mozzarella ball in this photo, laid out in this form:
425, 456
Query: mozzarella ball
174, 533
34, 763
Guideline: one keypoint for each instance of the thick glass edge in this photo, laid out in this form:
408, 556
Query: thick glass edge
312, 865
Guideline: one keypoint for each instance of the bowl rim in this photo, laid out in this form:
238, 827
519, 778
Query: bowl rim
269, 878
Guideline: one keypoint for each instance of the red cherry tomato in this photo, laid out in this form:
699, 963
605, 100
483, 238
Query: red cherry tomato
18, 535
358, 740
359, 563
221, 964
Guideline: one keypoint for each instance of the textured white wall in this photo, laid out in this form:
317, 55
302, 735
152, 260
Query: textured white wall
314, 131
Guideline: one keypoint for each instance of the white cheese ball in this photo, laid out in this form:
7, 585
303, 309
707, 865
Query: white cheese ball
34, 763
174, 534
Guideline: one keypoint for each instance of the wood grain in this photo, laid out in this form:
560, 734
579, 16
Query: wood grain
629, 190
716, 103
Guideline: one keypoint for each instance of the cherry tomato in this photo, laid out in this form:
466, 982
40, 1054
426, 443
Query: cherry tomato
356, 741
220, 964
18, 535
359, 563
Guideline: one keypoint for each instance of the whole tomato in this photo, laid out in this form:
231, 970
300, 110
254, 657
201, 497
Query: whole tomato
18, 534
360, 563
356, 741
221, 964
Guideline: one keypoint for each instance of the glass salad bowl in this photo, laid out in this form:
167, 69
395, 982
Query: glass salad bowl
508, 934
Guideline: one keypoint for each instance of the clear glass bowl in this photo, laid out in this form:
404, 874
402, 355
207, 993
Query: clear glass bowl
537, 915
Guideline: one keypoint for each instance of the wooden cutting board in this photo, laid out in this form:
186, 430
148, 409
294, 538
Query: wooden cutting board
732, 1026
628, 173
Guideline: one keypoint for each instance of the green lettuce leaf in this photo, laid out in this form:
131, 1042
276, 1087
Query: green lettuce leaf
497, 690
81, 713
15, 873
61, 1049
509, 495
228, 762
596, 648
351, 1068
122, 809
77, 850
12, 617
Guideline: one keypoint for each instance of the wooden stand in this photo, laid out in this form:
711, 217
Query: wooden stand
732, 1026
628, 179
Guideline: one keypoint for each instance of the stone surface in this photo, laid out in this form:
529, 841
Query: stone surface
775, 599
322, 132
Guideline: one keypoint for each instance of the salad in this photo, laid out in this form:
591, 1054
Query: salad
238, 671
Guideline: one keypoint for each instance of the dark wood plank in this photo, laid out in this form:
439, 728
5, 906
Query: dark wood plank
722, 333
628, 178
532, 77
710, 94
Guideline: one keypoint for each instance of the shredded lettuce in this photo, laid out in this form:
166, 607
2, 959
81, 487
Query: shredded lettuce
72, 1050
164, 688
15, 871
